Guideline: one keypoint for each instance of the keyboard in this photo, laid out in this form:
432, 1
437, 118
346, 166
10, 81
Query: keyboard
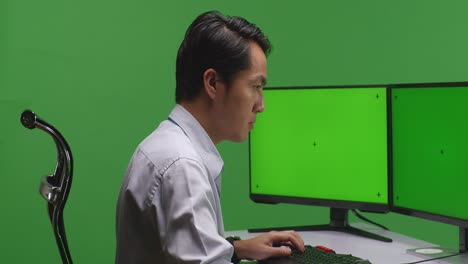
314, 255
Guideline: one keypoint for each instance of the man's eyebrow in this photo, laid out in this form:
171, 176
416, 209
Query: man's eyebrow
261, 78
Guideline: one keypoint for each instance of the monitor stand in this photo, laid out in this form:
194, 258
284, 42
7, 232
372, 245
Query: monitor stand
338, 222
463, 236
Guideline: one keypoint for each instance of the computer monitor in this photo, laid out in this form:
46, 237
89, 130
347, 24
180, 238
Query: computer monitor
430, 152
324, 146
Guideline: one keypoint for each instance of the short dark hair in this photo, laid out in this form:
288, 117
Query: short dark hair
218, 42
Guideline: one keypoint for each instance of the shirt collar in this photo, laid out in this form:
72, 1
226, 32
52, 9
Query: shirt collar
202, 142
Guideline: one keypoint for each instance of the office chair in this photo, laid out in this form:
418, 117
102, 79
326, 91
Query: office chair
56, 187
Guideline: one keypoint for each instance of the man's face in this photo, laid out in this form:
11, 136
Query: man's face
244, 99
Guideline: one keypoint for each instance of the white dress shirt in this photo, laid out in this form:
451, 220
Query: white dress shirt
169, 209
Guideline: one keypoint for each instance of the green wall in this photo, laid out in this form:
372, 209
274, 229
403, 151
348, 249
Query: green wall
103, 73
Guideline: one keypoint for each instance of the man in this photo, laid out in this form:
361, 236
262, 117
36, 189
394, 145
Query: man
169, 208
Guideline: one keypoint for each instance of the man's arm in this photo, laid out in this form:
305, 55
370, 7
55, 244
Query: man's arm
189, 229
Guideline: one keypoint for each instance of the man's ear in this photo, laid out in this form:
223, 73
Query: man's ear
210, 77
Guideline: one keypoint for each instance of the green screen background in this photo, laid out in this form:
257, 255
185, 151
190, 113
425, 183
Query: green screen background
102, 72
430, 148
322, 143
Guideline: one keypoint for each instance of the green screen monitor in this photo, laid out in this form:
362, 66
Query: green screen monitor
430, 152
324, 146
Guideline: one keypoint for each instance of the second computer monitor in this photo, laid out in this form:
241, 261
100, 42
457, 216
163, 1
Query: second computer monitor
430, 151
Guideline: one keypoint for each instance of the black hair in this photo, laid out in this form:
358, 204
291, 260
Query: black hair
218, 42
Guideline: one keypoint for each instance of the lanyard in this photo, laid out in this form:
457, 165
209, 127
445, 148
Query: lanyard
172, 120
175, 123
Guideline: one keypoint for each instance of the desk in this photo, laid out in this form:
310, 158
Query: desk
375, 251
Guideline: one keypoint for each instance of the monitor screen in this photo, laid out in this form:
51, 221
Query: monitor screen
430, 152
323, 146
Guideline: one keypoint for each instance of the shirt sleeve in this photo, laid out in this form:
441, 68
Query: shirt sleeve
190, 221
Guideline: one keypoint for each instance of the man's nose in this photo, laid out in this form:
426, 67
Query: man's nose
260, 107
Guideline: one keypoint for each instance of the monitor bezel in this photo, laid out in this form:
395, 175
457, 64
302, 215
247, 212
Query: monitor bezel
411, 211
342, 204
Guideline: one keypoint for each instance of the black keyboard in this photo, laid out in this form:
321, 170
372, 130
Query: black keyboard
313, 255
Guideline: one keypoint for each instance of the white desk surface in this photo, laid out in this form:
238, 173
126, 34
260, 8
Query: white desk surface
375, 251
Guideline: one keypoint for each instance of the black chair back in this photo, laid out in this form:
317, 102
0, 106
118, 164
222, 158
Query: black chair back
55, 187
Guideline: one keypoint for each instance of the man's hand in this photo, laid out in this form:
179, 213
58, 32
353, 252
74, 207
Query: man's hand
269, 245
